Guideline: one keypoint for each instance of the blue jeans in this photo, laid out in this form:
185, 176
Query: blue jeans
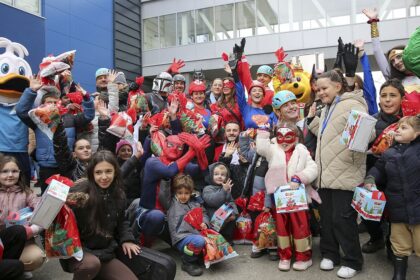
151, 222
191, 246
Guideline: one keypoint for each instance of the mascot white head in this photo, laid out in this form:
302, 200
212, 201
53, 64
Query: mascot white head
14, 71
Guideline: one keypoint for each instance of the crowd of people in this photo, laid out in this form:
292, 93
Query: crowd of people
207, 145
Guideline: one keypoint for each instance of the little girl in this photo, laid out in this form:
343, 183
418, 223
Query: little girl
289, 163
15, 195
397, 170
218, 193
184, 237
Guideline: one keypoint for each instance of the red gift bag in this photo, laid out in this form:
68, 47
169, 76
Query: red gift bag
243, 230
256, 201
265, 234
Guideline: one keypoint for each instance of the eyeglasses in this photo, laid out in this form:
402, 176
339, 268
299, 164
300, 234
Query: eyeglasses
7, 172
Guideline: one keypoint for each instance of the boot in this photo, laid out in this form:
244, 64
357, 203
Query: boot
189, 266
400, 268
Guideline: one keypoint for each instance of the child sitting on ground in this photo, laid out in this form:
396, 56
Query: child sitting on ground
218, 193
184, 237
397, 170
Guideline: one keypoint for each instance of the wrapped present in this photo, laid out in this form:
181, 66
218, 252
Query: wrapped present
158, 139
217, 249
121, 125
265, 234
242, 233
51, 202
46, 118
220, 216
191, 122
256, 201
62, 237
410, 105
358, 130
21, 217
288, 200
369, 204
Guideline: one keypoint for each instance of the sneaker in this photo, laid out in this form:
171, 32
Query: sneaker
326, 264
373, 246
302, 265
346, 272
273, 255
192, 269
257, 254
27, 275
284, 265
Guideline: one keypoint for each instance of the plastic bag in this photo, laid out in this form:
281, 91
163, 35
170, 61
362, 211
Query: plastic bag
46, 118
62, 238
243, 230
410, 105
265, 234
158, 139
121, 126
217, 249
191, 122
256, 201
384, 140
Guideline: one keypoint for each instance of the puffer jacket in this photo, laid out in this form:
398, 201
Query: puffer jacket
178, 228
13, 199
215, 196
398, 171
338, 167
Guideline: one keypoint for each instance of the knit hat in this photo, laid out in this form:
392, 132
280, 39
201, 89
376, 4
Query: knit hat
282, 97
121, 143
120, 78
101, 72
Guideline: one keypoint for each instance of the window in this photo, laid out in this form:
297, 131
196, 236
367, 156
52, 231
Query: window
30, 6
205, 25
245, 19
224, 22
267, 16
186, 33
167, 29
150, 33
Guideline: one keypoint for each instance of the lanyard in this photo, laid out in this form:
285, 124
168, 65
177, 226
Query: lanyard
330, 112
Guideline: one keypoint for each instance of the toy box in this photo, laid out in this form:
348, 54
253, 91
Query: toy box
357, 132
288, 200
369, 204
21, 217
220, 216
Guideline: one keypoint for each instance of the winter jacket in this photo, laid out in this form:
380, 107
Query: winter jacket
69, 166
338, 167
214, 195
45, 148
397, 170
238, 172
13, 132
13, 199
279, 172
178, 228
116, 228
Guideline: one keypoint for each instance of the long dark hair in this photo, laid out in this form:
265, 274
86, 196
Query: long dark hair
21, 181
394, 73
97, 219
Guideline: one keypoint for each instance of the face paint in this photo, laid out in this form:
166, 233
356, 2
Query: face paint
285, 135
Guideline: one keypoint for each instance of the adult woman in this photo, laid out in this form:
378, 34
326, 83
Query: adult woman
215, 91
104, 232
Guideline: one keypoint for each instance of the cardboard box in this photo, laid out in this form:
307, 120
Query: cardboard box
220, 216
21, 217
359, 128
51, 202
288, 200
369, 204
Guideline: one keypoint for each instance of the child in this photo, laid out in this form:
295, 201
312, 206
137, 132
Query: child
15, 195
289, 163
397, 170
108, 244
184, 237
218, 193
339, 171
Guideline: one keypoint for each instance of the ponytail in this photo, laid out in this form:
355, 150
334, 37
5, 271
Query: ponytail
338, 77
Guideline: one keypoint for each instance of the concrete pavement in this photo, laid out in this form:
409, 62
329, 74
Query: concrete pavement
376, 267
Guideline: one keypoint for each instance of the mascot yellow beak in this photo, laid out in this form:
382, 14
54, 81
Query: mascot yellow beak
12, 85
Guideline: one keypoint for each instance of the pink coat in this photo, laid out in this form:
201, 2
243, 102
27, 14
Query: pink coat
13, 199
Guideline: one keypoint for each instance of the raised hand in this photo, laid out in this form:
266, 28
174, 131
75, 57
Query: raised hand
371, 13
102, 109
35, 83
112, 74
140, 150
350, 59
230, 149
175, 66
227, 186
173, 108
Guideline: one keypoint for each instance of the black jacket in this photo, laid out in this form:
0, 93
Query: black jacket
398, 171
